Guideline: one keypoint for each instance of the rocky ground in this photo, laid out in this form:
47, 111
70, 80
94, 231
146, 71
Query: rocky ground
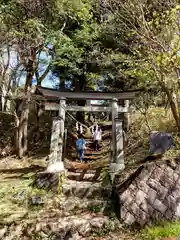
82, 211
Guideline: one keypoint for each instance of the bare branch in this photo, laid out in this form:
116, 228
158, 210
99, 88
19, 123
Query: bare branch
41, 78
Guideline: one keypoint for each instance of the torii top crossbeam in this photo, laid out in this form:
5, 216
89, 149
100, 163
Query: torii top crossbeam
51, 93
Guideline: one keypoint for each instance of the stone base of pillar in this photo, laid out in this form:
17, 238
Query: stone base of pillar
56, 167
115, 169
50, 180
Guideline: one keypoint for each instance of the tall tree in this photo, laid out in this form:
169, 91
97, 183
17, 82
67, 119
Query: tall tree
28, 27
147, 46
77, 49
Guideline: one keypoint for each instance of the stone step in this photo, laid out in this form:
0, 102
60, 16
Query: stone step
87, 171
90, 144
89, 147
84, 175
87, 158
86, 189
70, 149
88, 152
89, 141
75, 227
98, 153
78, 166
74, 205
74, 165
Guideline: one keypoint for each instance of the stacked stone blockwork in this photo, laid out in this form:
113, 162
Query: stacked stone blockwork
153, 195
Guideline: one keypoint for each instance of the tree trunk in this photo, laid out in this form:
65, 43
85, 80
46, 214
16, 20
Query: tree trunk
21, 129
80, 116
25, 127
23, 110
62, 82
5, 79
39, 114
35, 131
88, 103
174, 111
177, 102
173, 107
80, 85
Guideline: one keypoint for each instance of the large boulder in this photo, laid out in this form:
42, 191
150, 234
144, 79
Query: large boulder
160, 142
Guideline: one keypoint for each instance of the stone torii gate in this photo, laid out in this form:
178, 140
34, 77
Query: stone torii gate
56, 148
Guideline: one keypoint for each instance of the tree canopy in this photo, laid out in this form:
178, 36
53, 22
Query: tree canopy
112, 45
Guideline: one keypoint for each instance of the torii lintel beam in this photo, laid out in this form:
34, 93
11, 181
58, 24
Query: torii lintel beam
50, 93
55, 107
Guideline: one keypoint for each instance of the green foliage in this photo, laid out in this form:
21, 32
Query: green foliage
144, 43
74, 10
169, 229
142, 122
95, 208
76, 47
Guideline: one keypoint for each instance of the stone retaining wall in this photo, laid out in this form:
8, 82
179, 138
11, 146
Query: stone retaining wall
154, 195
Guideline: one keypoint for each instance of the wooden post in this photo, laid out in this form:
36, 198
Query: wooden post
57, 136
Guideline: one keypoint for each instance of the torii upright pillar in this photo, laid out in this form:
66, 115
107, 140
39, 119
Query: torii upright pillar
117, 161
57, 136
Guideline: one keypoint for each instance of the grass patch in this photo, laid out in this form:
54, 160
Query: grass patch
15, 194
168, 229
29, 176
95, 208
156, 119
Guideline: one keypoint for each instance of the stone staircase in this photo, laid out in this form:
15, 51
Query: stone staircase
86, 185
88, 197
75, 219
85, 209
89, 153
83, 212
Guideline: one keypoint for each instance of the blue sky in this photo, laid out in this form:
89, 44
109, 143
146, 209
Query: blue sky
50, 81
